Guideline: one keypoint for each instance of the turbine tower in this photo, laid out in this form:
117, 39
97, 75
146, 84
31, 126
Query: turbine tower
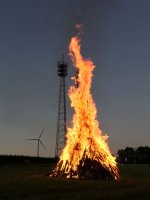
39, 142
61, 120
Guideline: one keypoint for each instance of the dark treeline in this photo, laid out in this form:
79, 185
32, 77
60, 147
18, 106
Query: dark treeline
15, 159
129, 155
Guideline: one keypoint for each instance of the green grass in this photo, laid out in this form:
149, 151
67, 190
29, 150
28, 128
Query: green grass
18, 182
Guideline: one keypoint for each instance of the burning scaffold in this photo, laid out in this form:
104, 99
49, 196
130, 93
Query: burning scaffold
86, 154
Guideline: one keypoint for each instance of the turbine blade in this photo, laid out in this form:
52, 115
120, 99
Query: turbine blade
42, 145
31, 139
41, 133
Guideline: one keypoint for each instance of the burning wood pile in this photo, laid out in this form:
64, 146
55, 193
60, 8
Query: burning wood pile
86, 154
87, 169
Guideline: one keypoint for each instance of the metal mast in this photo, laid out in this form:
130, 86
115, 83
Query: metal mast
61, 120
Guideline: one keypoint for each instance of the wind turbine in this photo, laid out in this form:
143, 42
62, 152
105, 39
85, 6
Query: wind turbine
39, 142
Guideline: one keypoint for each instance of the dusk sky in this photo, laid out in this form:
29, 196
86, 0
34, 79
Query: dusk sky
33, 34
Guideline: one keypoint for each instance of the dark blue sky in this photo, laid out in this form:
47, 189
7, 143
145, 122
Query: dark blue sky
33, 34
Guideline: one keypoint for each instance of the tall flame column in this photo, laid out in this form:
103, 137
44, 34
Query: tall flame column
86, 154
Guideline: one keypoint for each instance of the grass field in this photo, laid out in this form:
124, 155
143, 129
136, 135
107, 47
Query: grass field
18, 182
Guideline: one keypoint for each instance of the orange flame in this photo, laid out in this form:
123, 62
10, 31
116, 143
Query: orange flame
85, 136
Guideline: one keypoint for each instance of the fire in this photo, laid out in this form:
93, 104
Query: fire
85, 140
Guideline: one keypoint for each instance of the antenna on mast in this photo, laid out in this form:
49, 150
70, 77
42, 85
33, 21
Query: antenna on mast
62, 72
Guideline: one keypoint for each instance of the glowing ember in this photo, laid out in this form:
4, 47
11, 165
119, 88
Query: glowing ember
86, 153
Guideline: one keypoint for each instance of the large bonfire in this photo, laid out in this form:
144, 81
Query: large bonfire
86, 154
